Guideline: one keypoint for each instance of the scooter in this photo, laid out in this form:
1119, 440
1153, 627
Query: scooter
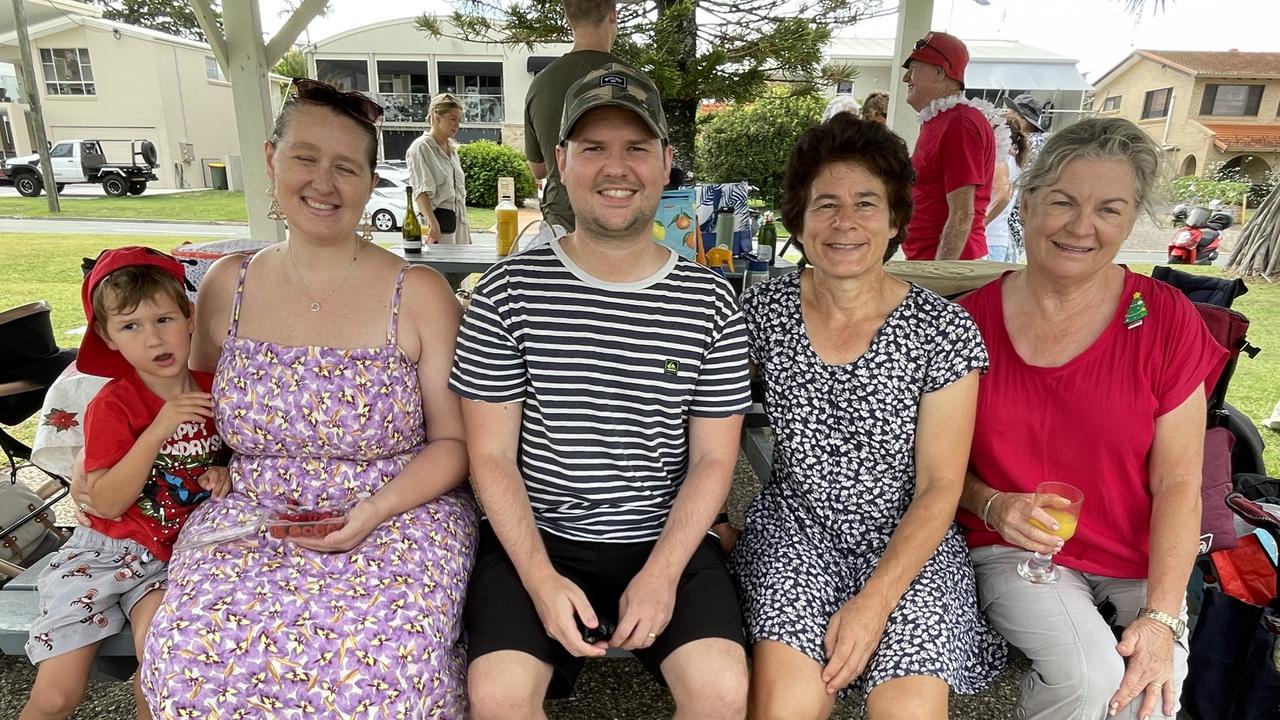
1196, 242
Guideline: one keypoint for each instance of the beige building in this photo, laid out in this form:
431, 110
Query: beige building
1211, 111
401, 67
105, 80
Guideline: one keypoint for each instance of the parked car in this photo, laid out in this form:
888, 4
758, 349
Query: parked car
84, 161
394, 171
386, 207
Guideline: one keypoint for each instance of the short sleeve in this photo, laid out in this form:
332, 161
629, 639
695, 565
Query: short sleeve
962, 152
958, 348
488, 364
1192, 356
420, 175
724, 382
108, 435
753, 312
532, 150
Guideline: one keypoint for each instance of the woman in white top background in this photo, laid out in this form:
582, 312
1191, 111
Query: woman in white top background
435, 171
1003, 198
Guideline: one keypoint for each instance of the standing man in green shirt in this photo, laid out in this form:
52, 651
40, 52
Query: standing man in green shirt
595, 25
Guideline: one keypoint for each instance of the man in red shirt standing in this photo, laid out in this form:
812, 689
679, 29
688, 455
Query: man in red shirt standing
954, 158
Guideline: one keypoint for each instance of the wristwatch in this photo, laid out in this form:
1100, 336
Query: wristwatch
1175, 625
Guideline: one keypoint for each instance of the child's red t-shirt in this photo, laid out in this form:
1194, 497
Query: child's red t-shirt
114, 420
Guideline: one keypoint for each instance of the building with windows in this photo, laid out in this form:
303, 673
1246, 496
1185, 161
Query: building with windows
402, 67
1211, 111
105, 80
997, 69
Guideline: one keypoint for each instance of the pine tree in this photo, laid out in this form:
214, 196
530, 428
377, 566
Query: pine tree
694, 50
174, 17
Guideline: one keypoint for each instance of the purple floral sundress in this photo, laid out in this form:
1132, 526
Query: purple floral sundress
260, 627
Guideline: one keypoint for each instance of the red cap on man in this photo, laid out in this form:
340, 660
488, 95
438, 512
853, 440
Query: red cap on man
945, 51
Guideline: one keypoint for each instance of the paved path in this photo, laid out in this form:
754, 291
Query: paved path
122, 227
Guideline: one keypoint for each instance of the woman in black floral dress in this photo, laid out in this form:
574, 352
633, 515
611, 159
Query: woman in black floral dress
852, 574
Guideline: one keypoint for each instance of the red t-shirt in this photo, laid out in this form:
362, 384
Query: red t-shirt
956, 148
113, 422
1090, 422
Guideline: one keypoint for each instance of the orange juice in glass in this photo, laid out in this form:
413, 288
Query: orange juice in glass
1066, 523
1039, 568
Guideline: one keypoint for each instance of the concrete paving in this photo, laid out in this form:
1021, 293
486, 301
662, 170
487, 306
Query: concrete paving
86, 190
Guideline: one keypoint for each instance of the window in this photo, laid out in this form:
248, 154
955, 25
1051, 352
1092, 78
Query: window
212, 70
478, 85
345, 75
1237, 100
995, 96
61, 150
1156, 103
67, 71
844, 87
1111, 103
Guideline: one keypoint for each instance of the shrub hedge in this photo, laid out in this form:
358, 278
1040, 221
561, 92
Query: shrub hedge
483, 162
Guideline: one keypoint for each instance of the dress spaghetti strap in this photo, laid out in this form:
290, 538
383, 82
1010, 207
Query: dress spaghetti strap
395, 307
235, 302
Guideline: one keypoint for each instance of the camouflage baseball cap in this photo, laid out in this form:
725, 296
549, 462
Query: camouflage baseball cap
617, 85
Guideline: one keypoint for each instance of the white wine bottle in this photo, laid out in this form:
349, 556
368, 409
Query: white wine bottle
411, 230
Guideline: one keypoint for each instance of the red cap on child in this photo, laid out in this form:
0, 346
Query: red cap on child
95, 358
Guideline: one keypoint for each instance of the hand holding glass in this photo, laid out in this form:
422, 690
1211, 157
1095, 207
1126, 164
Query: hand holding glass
1039, 568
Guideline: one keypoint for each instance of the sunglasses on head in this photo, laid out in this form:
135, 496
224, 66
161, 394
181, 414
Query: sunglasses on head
355, 104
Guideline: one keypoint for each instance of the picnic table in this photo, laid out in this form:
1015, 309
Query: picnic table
456, 262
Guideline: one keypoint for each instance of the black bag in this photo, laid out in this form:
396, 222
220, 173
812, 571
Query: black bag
1234, 665
446, 220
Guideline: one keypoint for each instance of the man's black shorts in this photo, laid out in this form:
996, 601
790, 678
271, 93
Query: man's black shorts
500, 614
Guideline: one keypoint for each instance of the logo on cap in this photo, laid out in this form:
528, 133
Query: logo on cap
615, 80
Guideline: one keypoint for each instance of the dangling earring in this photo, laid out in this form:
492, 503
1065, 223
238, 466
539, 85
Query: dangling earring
275, 212
366, 230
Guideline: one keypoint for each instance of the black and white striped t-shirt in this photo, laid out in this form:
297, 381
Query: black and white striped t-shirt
609, 375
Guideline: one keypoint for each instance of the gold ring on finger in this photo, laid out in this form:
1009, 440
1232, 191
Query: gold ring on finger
653, 636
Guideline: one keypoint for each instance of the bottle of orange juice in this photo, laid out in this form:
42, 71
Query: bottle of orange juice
508, 216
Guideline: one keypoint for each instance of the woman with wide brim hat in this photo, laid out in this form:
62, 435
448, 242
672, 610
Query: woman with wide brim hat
1030, 114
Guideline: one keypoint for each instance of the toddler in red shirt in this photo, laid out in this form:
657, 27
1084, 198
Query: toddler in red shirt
152, 454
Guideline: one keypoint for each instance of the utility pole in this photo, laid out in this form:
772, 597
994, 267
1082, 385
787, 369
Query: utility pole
33, 102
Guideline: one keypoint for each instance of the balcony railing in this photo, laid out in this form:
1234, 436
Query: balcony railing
403, 107
482, 108
412, 107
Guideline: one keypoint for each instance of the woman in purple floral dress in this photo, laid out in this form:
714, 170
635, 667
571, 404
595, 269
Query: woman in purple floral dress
331, 365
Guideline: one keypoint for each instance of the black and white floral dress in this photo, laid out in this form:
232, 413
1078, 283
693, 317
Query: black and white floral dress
843, 476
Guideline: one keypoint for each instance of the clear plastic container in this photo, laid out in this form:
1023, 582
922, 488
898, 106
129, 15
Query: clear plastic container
234, 524
297, 521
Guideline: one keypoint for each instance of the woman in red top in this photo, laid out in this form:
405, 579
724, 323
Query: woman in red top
1098, 379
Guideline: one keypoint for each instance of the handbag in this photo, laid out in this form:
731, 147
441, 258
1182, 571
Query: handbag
446, 220
1233, 670
27, 542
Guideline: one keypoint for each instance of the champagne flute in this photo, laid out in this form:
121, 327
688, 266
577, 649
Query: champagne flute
1039, 568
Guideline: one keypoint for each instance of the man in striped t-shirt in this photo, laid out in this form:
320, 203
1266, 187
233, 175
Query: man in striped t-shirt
604, 380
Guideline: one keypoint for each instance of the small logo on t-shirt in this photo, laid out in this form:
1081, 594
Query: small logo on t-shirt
671, 367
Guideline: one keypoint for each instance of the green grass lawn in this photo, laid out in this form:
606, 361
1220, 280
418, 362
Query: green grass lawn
202, 205
47, 267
